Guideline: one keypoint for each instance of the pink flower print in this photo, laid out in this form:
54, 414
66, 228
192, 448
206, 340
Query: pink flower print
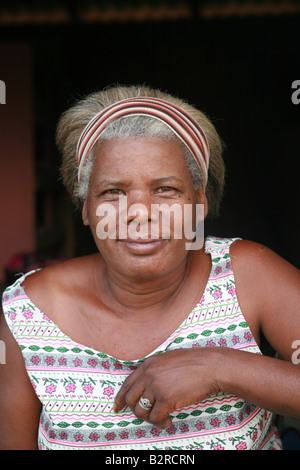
13, 315
219, 447
70, 388
52, 435
230, 419
222, 343
106, 365
49, 360
254, 437
241, 446
235, 340
45, 317
63, 435
35, 360
62, 361
118, 365
28, 314
110, 436
34, 386
77, 362
46, 426
108, 391
50, 389
88, 388
261, 425
94, 436
140, 433
124, 435
200, 425
184, 428
248, 336
171, 430
228, 265
232, 291
196, 345
92, 362
215, 422
155, 431
217, 294
201, 300
210, 344
218, 270
17, 292
78, 437
5, 297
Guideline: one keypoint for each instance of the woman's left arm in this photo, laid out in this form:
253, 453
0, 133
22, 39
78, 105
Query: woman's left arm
268, 290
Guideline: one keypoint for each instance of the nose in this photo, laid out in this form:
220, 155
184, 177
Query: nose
137, 214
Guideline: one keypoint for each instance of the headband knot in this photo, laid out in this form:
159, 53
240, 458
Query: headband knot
178, 120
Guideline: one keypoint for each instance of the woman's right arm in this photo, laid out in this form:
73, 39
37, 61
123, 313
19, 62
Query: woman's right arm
19, 406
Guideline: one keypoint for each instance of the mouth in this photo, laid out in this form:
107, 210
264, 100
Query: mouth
143, 246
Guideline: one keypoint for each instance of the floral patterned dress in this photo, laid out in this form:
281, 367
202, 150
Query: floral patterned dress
77, 385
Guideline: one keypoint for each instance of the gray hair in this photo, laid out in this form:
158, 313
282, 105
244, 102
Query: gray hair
135, 126
74, 120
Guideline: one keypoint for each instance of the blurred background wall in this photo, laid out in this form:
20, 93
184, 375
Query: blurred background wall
235, 60
17, 217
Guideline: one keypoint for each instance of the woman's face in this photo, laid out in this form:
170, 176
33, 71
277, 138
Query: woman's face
133, 185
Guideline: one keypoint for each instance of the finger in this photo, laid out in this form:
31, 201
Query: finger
139, 409
159, 416
120, 399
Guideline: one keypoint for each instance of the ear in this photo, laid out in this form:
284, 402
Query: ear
201, 199
85, 214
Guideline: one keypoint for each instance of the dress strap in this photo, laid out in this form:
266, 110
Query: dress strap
218, 248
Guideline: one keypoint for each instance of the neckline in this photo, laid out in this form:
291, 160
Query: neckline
162, 346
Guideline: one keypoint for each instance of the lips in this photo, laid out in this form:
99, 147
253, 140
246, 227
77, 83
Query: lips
143, 246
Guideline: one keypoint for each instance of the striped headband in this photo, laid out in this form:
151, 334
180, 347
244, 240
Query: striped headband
180, 122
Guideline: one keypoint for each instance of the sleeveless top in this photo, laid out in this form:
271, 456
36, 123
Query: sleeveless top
77, 385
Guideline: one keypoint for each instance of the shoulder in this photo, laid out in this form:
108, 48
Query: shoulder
268, 289
57, 288
250, 257
60, 276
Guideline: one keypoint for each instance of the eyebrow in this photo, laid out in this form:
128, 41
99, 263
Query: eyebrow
107, 182
168, 178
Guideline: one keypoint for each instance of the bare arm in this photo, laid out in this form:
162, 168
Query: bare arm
269, 294
19, 406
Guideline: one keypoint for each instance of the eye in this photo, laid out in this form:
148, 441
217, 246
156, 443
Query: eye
163, 189
113, 192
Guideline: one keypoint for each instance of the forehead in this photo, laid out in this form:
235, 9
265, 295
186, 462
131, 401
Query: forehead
142, 154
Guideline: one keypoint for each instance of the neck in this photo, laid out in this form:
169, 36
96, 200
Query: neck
130, 295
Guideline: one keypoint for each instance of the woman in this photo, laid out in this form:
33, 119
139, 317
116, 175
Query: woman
148, 345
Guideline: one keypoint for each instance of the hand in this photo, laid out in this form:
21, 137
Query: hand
170, 380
